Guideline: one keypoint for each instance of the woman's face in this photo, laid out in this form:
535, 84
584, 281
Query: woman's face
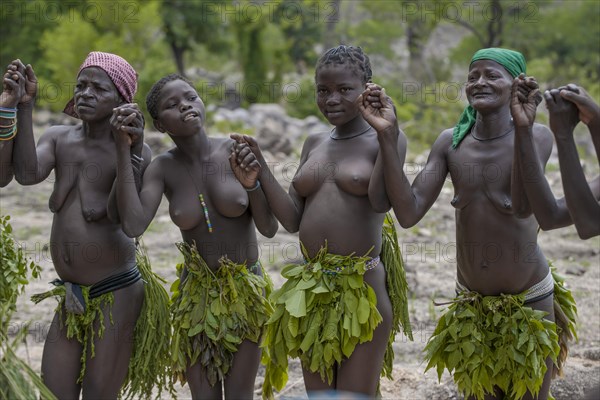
338, 86
488, 85
180, 109
95, 95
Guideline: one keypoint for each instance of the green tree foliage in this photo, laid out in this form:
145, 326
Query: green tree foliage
189, 22
22, 23
134, 35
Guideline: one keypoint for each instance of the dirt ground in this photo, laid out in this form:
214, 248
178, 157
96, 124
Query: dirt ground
429, 254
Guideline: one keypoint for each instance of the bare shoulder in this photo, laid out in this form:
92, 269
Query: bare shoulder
543, 138
59, 131
313, 141
444, 141
541, 130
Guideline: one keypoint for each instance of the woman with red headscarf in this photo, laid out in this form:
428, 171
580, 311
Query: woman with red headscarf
106, 299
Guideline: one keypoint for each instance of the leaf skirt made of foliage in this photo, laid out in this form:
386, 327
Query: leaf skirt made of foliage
214, 311
490, 342
17, 379
324, 309
148, 366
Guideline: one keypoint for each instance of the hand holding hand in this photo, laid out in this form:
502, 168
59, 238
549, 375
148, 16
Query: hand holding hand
589, 111
13, 86
251, 142
377, 109
127, 124
243, 162
564, 115
31, 85
524, 100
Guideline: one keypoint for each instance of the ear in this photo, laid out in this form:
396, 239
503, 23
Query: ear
158, 126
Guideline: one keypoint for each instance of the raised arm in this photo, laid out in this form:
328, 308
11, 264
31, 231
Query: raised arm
410, 203
377, 190
581, 199
136, 210
246, 168
128, 120
13, 88
287, 207
32, 165
533, 145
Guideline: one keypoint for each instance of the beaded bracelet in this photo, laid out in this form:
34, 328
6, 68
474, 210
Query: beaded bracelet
254, 188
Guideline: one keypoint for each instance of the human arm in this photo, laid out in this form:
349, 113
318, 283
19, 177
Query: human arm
32, 164
581, 198
12, 89
246, 169
410, 202
532, 148
377, 191
136, 206
287, 207
127, 123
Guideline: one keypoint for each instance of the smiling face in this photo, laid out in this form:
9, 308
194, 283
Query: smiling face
180, 110
488, 85
338, 86
95, 95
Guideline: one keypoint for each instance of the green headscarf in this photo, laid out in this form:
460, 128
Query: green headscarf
512, 61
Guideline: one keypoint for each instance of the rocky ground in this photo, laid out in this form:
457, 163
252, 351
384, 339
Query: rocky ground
428, 251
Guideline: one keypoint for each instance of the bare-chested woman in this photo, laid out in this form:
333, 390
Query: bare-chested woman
219, 308
498, 338
93, 334
334, 312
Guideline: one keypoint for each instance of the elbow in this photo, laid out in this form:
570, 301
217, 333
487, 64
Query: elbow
291, 227
24, 180
5, 181
271, 230
587, 231
382, 207
132, 230
405, 220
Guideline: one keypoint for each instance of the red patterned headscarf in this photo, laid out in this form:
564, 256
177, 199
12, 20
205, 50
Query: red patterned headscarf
119, 71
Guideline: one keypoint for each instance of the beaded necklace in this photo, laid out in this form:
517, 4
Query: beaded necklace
201, 196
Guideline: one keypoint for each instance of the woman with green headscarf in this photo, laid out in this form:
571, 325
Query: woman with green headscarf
499, 336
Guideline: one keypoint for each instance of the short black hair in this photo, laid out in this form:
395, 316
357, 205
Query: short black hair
154, 93
348, 55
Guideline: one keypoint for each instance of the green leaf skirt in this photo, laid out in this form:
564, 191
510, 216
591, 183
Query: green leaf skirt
17, 379
214, 311
148, 366
325, 308
489, 342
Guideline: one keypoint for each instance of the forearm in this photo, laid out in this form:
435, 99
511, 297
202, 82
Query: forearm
532, 182
398, 188
582, 205
129, 207
280, 202
6, 167
520, 202
377, 192
261, 213
25, 160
